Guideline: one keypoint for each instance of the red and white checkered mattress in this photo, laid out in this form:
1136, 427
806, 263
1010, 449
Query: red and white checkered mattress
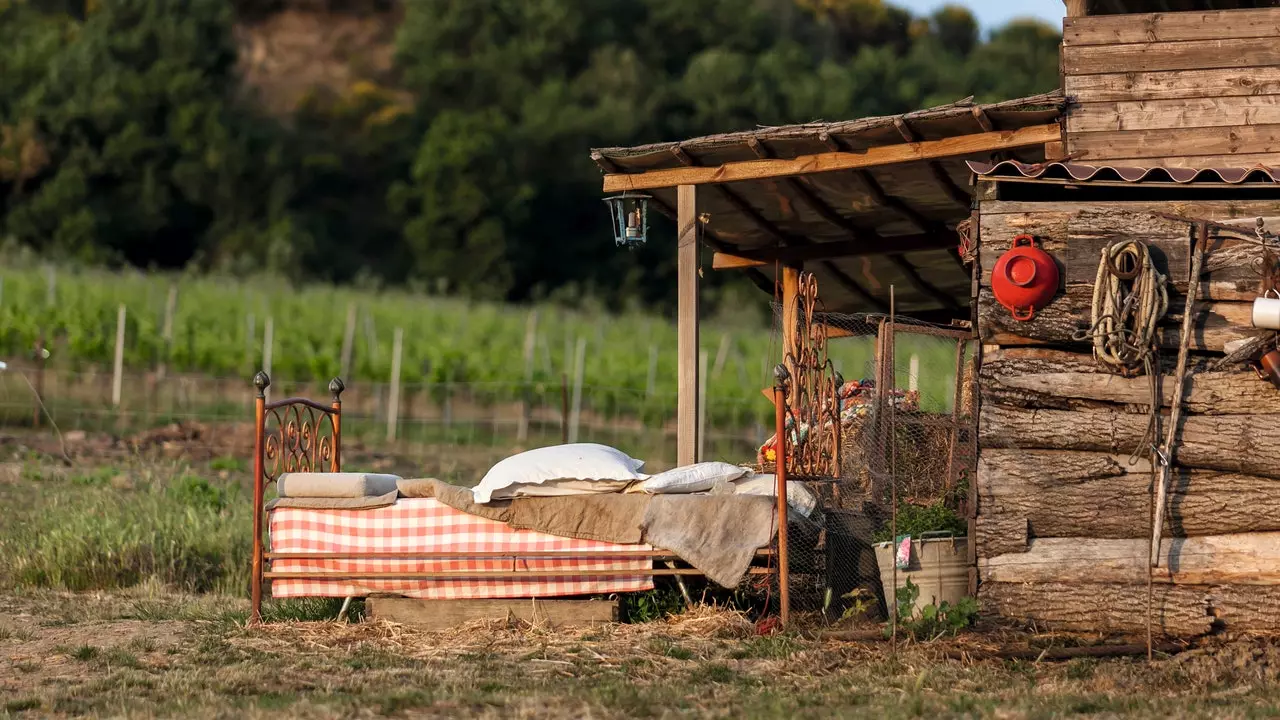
425, 525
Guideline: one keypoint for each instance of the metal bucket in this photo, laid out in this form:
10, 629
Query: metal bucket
939, 566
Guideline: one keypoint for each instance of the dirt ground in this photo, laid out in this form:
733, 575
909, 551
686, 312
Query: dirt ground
150, 653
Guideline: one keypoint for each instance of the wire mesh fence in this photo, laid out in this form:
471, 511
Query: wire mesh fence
888, 525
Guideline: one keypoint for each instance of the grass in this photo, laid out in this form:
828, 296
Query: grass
705, 664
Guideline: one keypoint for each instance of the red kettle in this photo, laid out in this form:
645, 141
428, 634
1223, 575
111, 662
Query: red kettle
1025, 278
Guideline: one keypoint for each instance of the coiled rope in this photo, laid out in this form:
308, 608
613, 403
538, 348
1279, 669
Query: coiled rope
1127, 306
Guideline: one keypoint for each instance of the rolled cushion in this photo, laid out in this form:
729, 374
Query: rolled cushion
335, 485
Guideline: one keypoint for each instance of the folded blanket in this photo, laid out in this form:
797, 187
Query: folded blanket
368, 502
334, 485
717, 534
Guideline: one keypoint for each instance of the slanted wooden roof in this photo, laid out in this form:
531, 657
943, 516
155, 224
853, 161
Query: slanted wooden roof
865, 204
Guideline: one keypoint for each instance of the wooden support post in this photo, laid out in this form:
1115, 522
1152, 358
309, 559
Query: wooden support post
393, 406
40, 359
170, 308
51, 285
687, 292
790, 314
651, 378
348, 342
913, 373
1077, 8
117, 369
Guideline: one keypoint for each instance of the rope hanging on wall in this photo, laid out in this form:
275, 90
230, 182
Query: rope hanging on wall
1129, 298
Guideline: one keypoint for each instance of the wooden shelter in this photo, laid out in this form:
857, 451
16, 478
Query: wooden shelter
1128, 474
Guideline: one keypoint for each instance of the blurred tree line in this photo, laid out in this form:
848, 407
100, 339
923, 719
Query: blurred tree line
125, 137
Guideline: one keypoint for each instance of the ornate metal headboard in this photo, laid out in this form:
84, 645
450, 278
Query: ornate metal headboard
812, 392
290, 435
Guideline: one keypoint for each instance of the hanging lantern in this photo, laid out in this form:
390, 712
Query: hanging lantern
630, 212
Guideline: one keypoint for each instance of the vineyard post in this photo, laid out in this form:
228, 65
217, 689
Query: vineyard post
51, 286
530, 343
722, 354
393, 406
579, 367
1, 291
170, 307
564, 408
702, 405
348, 342
250, 342
267, 345
652, 378
117, 373
913, 373
39, 358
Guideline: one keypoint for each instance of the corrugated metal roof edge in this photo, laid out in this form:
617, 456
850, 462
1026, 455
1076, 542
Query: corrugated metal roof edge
1106, 173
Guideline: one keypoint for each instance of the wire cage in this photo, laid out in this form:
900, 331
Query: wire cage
896, 453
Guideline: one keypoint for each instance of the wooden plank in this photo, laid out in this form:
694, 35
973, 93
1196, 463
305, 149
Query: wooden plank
1088, 117
1217, 210
1127, 86
1236, 559
1165, 56
441, 615
979, 143
1244, 160
1217, 323
1171, 27
1050, 378
687, 327
1064, 493
757, 257
1244, 444
1178, 610
1076, 240
1177, 142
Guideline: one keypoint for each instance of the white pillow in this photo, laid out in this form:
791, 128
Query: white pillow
798, 496
576, 461
694, 478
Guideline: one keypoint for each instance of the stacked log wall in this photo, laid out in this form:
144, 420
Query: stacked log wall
1064, 474
1176, 89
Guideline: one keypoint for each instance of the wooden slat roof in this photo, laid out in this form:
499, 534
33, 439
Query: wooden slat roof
876, 204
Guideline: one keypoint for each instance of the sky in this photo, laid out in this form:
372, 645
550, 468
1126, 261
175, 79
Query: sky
993, 13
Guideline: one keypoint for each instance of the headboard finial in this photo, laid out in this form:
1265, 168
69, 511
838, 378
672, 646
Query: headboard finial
261, 381
781, 374
336, 387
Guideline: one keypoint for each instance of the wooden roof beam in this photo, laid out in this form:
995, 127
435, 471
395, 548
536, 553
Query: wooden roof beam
980, 143
829, 214
759, 257
758, 278
957, 193
778, 233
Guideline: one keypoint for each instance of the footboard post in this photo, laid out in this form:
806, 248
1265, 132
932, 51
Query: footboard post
261, 382
335, 388
781, 375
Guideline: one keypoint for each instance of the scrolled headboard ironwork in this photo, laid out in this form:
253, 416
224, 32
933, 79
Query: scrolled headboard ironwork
299, 435
812, 392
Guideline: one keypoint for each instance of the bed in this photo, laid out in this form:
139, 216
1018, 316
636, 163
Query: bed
415, 547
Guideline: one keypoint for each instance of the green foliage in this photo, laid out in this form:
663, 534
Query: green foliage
932, 621
127, 136
915, 520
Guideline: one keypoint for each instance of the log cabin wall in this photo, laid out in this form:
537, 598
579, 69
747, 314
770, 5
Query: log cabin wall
1063, 516
1174, 89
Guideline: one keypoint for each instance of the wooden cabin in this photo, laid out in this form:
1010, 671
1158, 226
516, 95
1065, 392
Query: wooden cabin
1160, 140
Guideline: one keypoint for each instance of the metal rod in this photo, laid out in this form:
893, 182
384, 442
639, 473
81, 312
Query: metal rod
340, 575
780, 473
260, 381
891, 375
